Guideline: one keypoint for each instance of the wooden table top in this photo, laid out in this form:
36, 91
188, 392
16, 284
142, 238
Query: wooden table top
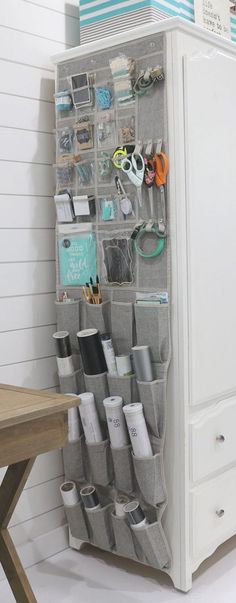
19, 405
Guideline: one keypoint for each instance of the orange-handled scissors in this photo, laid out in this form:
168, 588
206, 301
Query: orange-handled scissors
162, 169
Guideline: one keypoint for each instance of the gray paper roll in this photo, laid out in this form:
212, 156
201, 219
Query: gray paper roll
142, 363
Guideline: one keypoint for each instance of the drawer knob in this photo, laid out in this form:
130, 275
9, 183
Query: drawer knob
220, 438
220, 513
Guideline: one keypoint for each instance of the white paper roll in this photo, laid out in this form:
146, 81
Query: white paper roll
116, 421
124, 368
137, 430
120, 502
89, 418
69, 494
74, 426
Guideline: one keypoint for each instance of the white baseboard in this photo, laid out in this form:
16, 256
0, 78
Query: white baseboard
42, 548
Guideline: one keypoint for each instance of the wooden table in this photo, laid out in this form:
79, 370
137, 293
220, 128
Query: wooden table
31, 422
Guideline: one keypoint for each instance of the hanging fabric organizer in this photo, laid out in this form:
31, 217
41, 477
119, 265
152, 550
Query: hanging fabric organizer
113, 470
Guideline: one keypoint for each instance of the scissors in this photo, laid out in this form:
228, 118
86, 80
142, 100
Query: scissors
162, 169
134, 168
149, 177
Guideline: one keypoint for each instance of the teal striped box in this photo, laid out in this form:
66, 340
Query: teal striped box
102, 18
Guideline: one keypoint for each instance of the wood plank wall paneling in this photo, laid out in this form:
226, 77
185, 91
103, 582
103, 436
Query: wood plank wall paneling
31, 31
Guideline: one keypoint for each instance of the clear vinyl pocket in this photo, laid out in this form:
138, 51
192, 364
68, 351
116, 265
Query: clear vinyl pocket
101, 527
73, 457
97, 384
122, 320
68, 316
152, 394
125, 544
152, 540
76, 520
123, 469
98, 316
72, 384
152, 329
100, 462
126, 387
149, 473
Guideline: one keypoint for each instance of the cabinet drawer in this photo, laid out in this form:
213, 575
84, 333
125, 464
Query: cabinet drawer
212, 440
213, 516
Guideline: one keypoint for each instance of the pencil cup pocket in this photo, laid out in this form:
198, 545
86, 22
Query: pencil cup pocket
76, 520
126, 387
72, 384
100, 462
124, 540
122, 321
98, 316
153, 543
101, 527
149, 474
152, 394
97, 384
123, 469
152, 329
68, 316
73, 455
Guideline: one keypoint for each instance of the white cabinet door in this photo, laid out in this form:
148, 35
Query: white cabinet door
213, 517
212, 439
210, 136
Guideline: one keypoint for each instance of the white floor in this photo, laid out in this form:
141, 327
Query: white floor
93, 576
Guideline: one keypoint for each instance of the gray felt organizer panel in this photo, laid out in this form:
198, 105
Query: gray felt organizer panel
112, 470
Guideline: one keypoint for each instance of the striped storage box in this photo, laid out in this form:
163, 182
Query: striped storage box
102, 18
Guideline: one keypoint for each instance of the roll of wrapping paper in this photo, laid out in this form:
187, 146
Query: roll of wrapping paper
69, 494
142, 363
91, 350
63, 353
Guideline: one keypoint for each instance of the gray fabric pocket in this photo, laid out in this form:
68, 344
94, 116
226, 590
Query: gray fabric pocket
97, 384
153, 397
68, 319
126, 387
123, 469
152, 328
101, 527
76, 520
149, 473
73, 455
152, 540
122, 320
124, 540
97, 316
72, 384
100, 462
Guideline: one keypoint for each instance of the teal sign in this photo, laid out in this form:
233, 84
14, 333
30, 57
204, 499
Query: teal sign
77, 258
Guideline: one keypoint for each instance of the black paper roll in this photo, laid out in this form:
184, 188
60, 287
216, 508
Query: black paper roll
62, 342
134, 512
91, 350
89, 497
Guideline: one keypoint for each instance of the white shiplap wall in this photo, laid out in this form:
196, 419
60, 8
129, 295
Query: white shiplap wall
31, 31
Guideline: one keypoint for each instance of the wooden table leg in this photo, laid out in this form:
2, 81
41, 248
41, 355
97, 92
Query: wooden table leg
10, 491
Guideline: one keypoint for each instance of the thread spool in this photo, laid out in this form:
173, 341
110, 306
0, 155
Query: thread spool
90, 498
63, 353
137, 429
142, 363
69, 494
89, 418
116, 421
120, 503
91, 350
123, 363
135, 514
109, 353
